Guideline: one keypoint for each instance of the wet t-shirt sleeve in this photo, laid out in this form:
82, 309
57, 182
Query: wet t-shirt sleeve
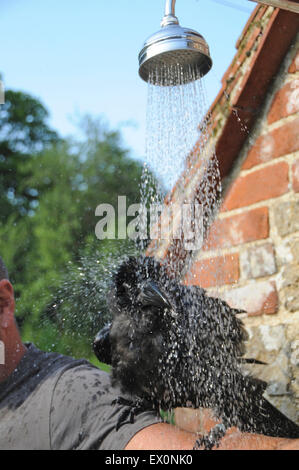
82, 415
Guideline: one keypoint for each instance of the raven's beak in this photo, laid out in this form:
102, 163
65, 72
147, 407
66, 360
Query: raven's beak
150, 294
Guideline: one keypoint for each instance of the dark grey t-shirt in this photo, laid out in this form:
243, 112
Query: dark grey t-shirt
56, 402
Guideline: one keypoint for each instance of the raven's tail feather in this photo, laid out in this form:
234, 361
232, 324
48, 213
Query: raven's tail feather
275, 423
255, 414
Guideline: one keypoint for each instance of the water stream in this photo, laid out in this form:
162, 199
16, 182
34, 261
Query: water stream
174, 114
180, 154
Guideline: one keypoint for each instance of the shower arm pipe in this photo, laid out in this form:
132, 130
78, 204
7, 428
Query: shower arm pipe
169, 17
170, 7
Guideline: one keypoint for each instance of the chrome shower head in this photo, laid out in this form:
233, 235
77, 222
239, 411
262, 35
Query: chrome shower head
174, 55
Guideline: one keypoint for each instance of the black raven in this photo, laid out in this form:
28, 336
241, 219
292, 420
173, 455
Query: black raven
174, 346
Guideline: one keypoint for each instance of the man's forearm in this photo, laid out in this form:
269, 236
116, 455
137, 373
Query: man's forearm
162, 436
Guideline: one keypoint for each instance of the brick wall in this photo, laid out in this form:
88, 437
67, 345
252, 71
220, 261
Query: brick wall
251, 256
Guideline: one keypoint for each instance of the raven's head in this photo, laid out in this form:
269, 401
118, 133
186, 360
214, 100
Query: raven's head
139, 302
142, 313
140, 284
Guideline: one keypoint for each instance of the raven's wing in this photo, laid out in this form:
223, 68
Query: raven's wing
102, 346
258, 415
217, 311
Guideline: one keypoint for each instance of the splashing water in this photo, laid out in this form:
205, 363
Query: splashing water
181, 155
80, 306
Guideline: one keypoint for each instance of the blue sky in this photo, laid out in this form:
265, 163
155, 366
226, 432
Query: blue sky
81, 56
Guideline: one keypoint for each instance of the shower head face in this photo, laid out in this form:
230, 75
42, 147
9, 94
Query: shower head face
174, 56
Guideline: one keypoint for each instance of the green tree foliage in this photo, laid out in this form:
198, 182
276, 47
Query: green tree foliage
49, 190
23, 133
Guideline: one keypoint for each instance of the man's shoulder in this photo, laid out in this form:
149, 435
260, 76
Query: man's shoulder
39, 367
48, 393
37, 359
63, 364
81, 371
89, 411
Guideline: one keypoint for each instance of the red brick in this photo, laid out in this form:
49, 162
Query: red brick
214, 271
241, 228
279, 142
295, 171
285, 102
266, 183
256, 299
294, 67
